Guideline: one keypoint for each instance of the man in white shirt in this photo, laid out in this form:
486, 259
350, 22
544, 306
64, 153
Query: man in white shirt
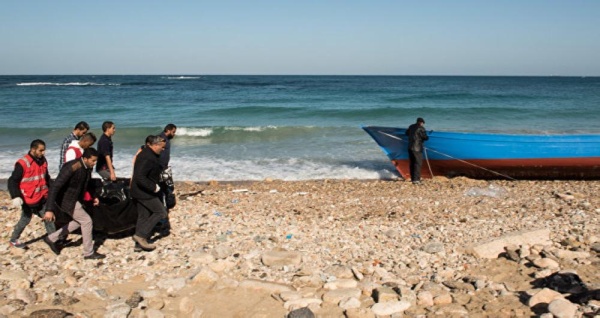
76, 148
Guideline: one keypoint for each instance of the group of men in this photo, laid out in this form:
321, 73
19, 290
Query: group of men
32, 189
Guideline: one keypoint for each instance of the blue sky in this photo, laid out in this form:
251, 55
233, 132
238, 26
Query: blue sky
301, 37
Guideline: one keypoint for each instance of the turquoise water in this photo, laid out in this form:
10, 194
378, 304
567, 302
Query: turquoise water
282, 127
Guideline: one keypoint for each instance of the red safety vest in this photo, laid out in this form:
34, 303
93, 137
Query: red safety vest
33, 184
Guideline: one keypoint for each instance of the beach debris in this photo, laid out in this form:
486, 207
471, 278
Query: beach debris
239, 190
492, 191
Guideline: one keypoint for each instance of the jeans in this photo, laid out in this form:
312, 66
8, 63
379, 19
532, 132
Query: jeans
26, 214
80, 219
150, 212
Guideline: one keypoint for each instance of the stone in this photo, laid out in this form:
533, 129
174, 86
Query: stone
443, 299
301, 313
156, 303
383, 294
201, 258
271, 287
134, 300
390, 308
544, 296
562, 308
154, 313
546, 263
570, 255
459, 286
50, 313
119, 310
341, 283
172, 284
335, 296
595, 247
205, 275
512, 252
289, 295
301, 302
26, 295
349, 303
281, 258
493, 248
425, 298
359, 313
433, 247
186, 305
221, 251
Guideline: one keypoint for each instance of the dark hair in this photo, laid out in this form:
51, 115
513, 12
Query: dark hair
90, 152
82, 125
106, 125
169, 127
36, 143
89, 135
420, 120
149, 139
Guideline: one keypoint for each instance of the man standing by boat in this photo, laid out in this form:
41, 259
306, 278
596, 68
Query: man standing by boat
416, 136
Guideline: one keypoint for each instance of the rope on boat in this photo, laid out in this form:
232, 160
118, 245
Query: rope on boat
449, 156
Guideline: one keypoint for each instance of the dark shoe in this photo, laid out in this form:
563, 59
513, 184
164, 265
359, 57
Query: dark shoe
18, 244
416, 182
95, 255
52, 245
144, 243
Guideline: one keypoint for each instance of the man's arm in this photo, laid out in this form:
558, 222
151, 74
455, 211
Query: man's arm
111, 169
14, 181
141, 170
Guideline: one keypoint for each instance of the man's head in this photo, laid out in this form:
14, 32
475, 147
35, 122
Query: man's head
81, 128
156, 144
37, 149
108, 128
89, 157
87, 140
170, 130
420, 121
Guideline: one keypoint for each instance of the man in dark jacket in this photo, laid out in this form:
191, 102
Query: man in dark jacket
66, 195
146, 192
28, 188
416, 136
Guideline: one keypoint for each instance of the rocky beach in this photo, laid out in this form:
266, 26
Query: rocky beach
329, 248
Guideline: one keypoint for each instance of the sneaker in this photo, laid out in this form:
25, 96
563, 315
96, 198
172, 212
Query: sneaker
17, 244
137, 248
52, 245
144, 243
95, 255
416, 182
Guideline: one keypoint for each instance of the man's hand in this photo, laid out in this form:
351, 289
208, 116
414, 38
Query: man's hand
157, 190
113, 176
49, 216
17, 202
96, 202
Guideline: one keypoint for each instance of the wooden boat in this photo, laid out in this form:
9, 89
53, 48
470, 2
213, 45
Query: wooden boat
495, 156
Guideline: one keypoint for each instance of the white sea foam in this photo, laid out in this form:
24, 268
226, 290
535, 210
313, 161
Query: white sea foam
257, 128
182, 77
66, 84
194, 132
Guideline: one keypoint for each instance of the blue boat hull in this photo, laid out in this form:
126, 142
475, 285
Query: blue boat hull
496, 156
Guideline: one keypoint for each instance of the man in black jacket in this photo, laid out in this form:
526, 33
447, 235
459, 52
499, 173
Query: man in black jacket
66, 195
416, 136
146, 192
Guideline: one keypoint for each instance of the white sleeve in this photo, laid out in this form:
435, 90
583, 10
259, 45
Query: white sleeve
69, 155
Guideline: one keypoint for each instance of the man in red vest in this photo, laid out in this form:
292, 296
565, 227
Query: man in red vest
28, 188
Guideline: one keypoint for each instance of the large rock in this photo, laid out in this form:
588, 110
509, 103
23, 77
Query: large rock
390, 307
281, 258
337, 295
265, 285
544, 296
493, 248
562, 308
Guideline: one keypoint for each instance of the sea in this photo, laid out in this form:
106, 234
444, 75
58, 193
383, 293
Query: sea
237, 128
